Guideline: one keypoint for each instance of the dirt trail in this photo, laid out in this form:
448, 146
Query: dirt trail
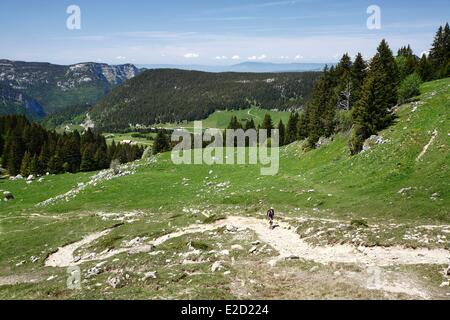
283, 239
288, 243
64, 257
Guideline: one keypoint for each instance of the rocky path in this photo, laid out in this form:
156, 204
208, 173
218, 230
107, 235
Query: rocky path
284, 239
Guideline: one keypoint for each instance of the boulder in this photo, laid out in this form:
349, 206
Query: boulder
8, 196
252, 249
31, 177
150, 275
373, 141
92, 272
217, 266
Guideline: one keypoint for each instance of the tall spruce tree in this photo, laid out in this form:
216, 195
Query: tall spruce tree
282, 133
344, 85
25, 167
358, 75
440, 53
161, 143
424, 69
374, 112
291, 129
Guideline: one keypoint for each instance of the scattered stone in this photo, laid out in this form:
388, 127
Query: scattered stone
31, 177
226, 273
337, 274
217, 266
92, 272
20, 263
115, 281
7, 196
314, 269
237, 247
253, 249
272, 263
255, 243
231, 228
150, 275
51, 278
372, 141
33, 259
403, 191
444, 284
292, 257
134, 242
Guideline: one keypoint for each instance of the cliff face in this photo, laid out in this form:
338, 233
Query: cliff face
54, 87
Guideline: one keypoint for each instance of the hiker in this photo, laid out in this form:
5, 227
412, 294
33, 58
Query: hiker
270, 216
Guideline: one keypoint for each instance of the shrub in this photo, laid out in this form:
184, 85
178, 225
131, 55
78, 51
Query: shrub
410, 87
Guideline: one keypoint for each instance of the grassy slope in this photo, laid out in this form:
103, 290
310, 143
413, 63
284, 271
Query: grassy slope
364, 186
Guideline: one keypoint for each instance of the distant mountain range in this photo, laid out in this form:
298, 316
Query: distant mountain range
37, 89
259, 67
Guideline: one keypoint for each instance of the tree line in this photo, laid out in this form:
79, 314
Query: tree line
27, 148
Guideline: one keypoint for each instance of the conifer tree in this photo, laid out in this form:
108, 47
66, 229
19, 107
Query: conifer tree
282, 133
373, 112
25, 167
161, 143
358, 75
424, 69
87, 160
291, 129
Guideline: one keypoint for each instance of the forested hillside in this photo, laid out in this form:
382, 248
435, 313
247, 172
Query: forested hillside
160, 96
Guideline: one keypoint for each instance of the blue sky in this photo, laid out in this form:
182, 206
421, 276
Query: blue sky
212, 32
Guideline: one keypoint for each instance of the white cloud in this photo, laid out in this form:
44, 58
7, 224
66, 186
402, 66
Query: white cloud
261, 57
221, 58
236, 57
121, 58
284, 57
191, 55
298, 57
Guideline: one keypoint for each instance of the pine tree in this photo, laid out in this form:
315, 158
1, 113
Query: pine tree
55, 165
424, 69
87, 160
358, 75
162, 143
373, 112
234, 124
250, 124
291, 129
25, 167
34, 165
440, 53
282, 133
343, 89
406, 62
267, 124
302, 126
